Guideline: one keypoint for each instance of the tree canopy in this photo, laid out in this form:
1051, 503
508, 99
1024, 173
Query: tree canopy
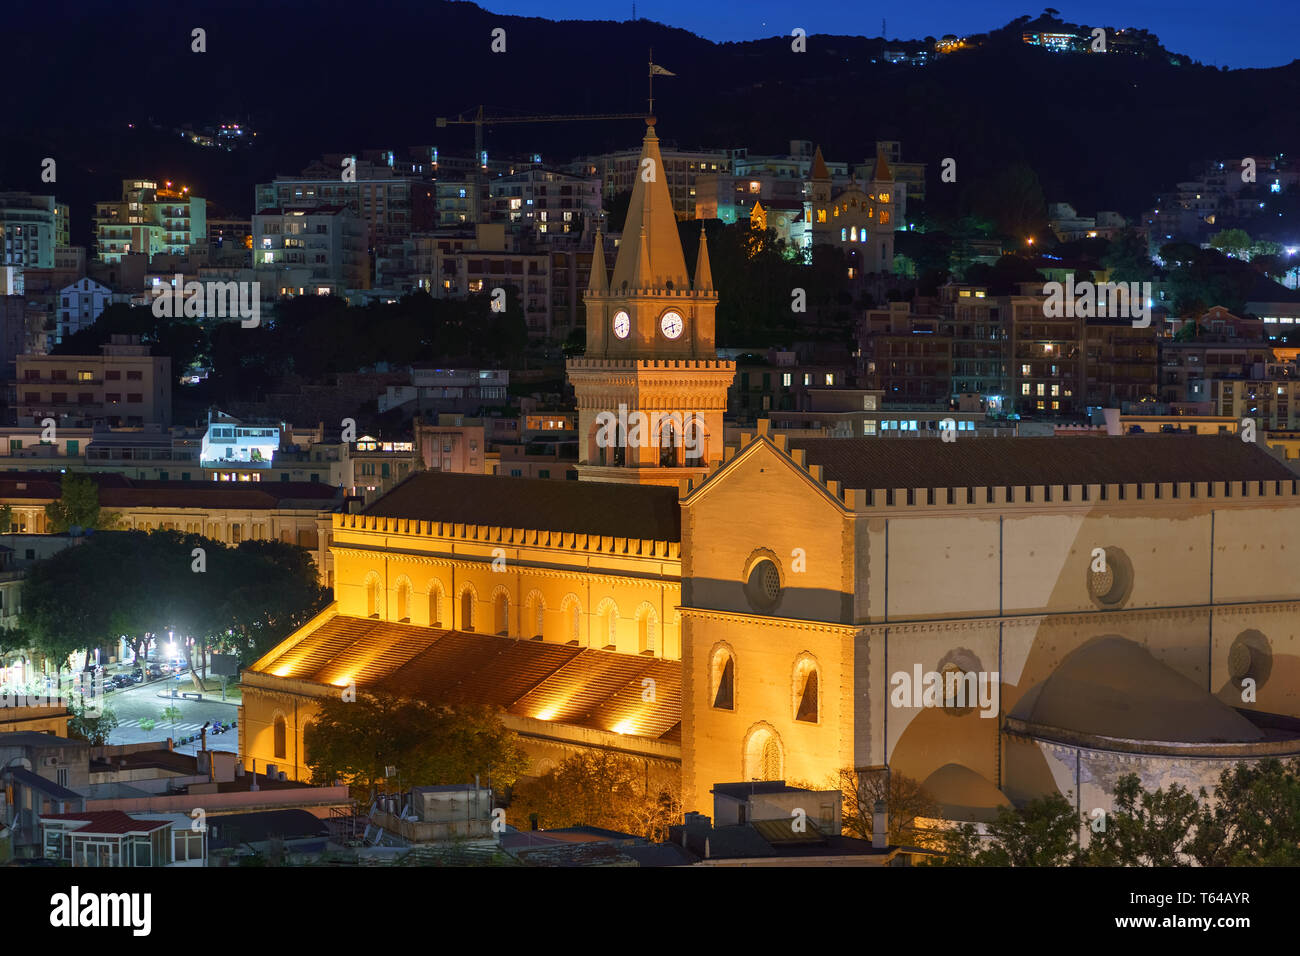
428, 744
136, 584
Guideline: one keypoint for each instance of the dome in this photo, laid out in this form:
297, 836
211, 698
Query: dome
1113, 687
962, 794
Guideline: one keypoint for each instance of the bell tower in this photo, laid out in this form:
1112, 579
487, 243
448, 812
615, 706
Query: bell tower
651, 390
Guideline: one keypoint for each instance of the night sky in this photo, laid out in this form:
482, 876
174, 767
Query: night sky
1262, 33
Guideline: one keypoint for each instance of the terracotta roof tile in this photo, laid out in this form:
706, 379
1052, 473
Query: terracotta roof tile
588, 688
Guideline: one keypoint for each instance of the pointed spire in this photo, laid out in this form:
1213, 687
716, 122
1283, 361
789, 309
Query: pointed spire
703, 274
650, 245
883, 174
599, 281
642, 277
819, 170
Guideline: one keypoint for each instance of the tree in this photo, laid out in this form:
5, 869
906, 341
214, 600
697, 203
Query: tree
1254, 819
6, 519
1144, 828
1232, 242
905, 801
598, 789
1127, 258
93, 730
429, 744
1043, 832
77, 507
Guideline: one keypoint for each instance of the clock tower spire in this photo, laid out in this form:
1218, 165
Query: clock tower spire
651, 390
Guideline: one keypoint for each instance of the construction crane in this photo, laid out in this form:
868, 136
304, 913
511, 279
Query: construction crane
478, 121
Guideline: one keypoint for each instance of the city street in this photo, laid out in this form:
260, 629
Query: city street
141, 701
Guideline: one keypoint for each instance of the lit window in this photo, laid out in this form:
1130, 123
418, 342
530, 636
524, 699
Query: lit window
1041, 390
786, 379
830, 378
1024, 389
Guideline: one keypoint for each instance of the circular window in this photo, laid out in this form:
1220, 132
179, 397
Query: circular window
960, 673
1101, 583
1110, 583
1250, 656
763, 588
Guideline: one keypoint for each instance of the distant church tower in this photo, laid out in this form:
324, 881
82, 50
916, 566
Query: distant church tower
859, 221
651, 390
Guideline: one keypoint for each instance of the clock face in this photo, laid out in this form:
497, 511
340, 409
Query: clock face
622, 324
671, 324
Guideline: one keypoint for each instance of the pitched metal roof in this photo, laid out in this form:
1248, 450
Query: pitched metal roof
572, 685
583, 507
871, 463
108, 821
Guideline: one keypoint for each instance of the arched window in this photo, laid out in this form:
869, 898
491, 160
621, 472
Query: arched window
279, 734
723, 679
764, 758
606, 635
670, 439
404, 601
467, 610
806, 689
771, 760
306, 750
853, 234
572, 619
844, 233
696, 438
501, 607
374, 595
647, 627
535, 617
435, 604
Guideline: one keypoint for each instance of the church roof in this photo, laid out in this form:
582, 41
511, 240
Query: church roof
601, 690
883, 173
582, 507
819, 170
650, 212
871, 463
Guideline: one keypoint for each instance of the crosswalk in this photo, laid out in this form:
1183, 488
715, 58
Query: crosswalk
164, 728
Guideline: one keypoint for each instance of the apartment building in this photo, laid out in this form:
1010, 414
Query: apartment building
619, 170
541, 203
123, 386
31, 229
80, 305
390, 203
327, 243
150, 219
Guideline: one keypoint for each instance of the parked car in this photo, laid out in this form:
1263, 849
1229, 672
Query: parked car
155, 670
137, 676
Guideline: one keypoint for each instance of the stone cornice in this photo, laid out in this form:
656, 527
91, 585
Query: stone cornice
785, 623
1179, 612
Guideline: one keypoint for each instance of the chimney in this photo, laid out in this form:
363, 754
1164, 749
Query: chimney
879, 826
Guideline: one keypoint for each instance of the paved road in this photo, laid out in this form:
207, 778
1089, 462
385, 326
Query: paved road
141, 701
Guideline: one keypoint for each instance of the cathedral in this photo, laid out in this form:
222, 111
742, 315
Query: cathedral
1065, 610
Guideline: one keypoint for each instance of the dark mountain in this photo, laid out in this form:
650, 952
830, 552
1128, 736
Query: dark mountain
338, 75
